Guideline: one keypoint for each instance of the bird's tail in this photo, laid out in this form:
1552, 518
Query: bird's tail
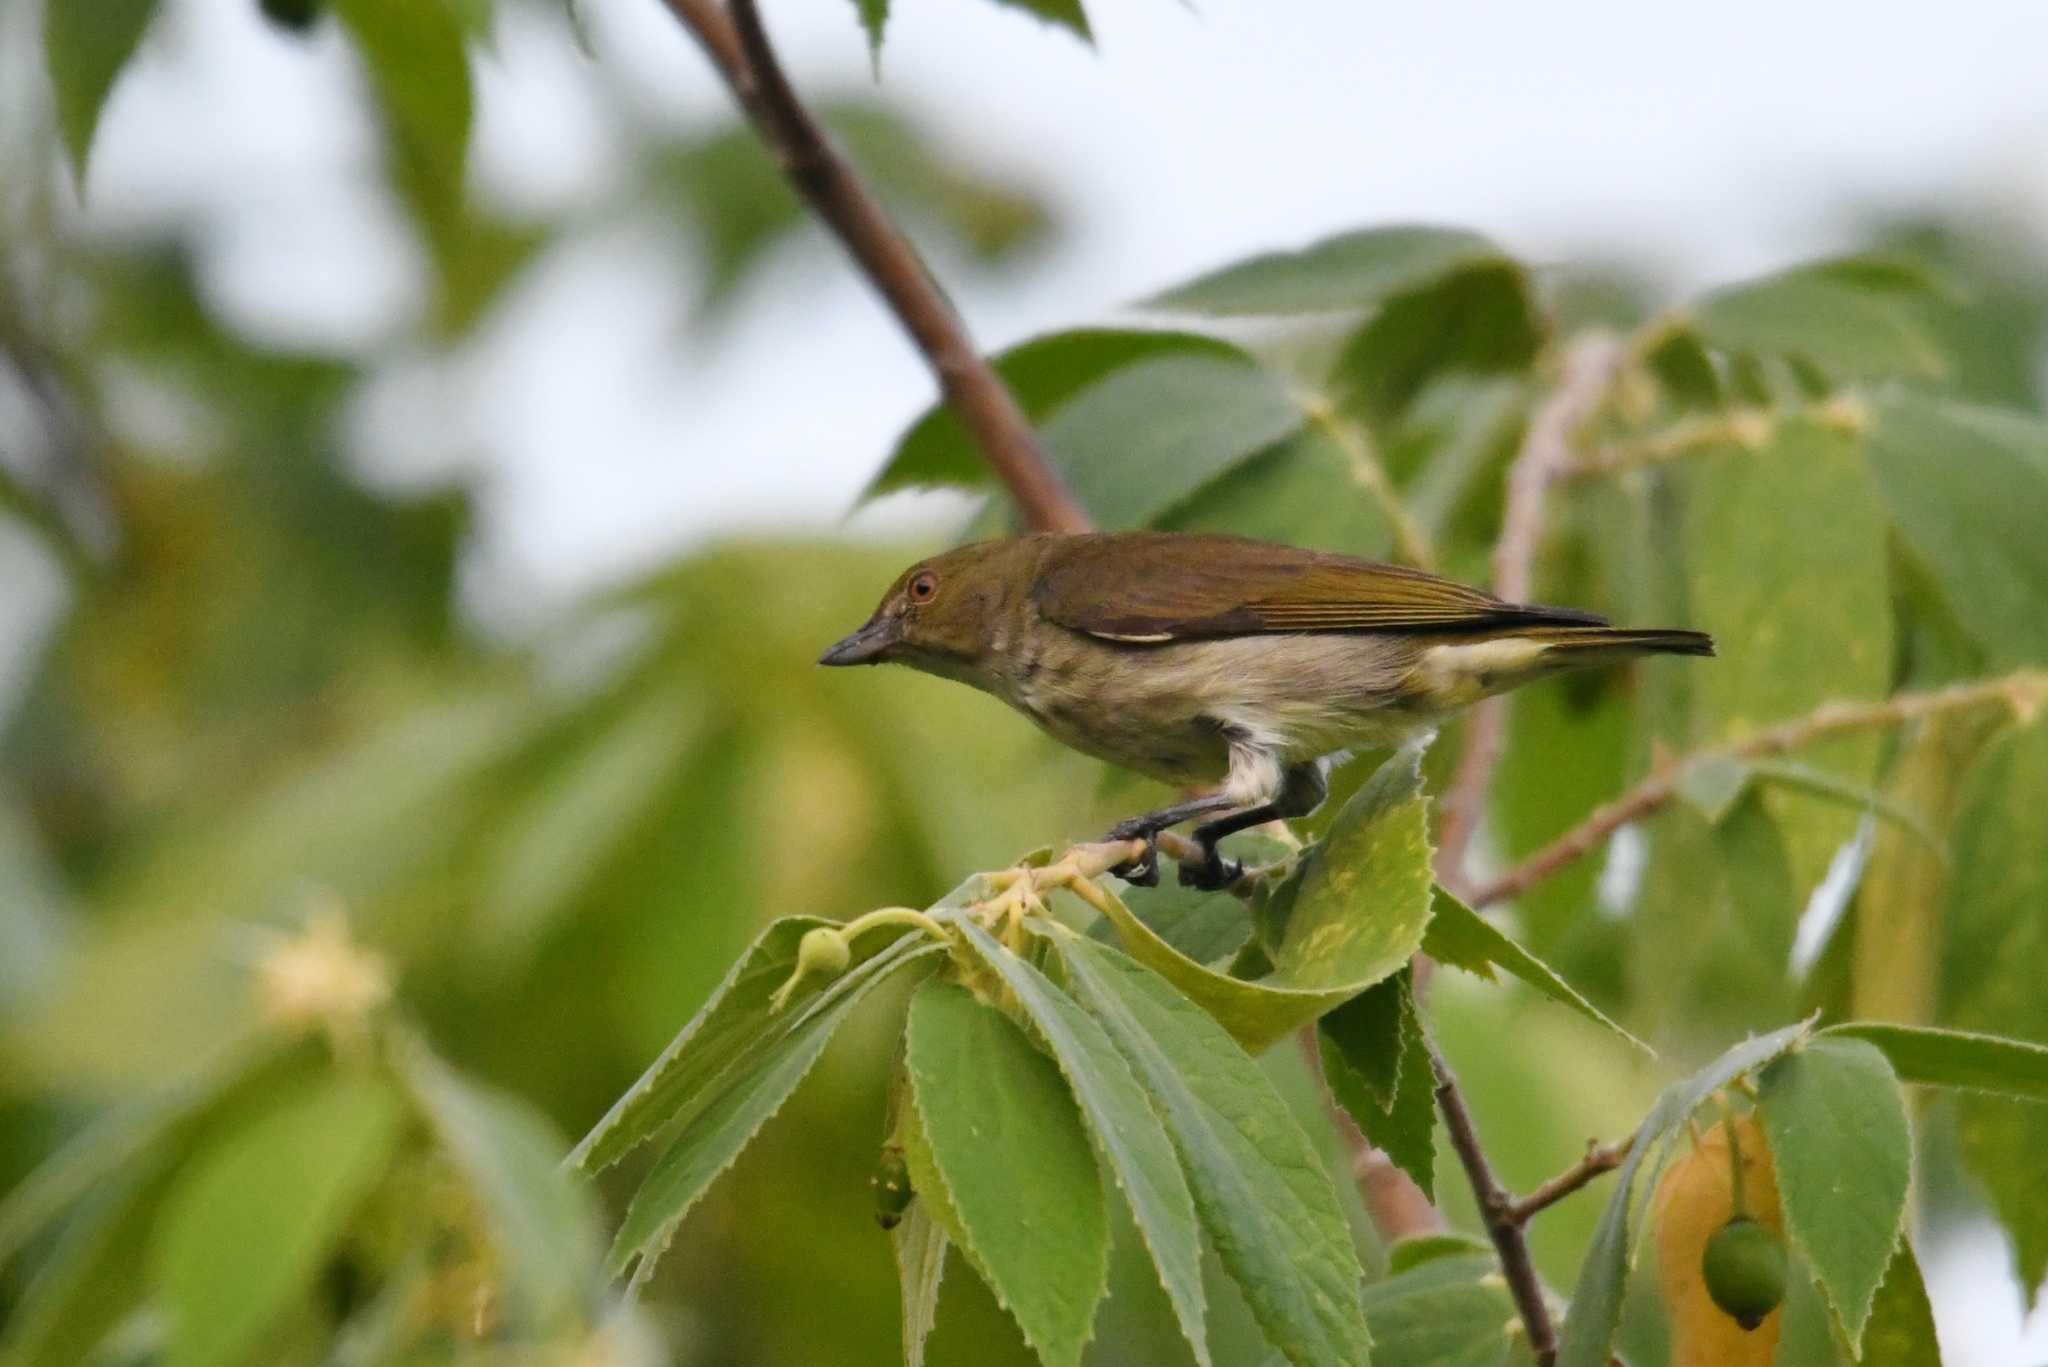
1589, 645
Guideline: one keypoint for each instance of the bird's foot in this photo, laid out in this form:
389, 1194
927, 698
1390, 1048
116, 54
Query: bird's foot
1144, 870
1213, 874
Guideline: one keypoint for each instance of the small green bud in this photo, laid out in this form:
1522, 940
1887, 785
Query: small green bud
1744, 1268
822, 953
892, 1187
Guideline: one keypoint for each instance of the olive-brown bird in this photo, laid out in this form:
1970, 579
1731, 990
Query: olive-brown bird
1218, 662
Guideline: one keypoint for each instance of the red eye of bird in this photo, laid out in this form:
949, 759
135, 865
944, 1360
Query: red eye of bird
923, 587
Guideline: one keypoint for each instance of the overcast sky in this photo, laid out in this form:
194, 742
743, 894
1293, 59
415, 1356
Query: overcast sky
1709, 141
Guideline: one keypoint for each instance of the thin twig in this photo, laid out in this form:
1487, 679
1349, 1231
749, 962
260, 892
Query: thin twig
1397, 1207
738, 46
1496, 1210
1590, 367
1600, 1158
2025, 691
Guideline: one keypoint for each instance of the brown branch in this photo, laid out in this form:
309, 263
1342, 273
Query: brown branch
2025, 691
1496, 1210
1590, 367
1600, 1158
737, 44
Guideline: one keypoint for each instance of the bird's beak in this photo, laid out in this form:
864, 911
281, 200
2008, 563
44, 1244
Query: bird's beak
866, 646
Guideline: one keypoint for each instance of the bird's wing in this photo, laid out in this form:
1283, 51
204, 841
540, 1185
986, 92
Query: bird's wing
1156, 587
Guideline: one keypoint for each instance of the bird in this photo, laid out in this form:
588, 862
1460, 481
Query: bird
1237, 669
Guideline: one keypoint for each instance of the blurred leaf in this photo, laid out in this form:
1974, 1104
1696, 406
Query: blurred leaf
1956, 1058
1450, 1311
1685, 368
1006, 1137
1596, 1301
419, 69
1382, 1077
874, 17
1352, 271
1262, 1193
1479, 320
1301, 491
1066, 14
86, 46
1417, 1249
2002, 1146
1901, 1329
1143, 438
1042, 374
92, 1280
543, 1222
1377, 856
712, 1127
1462, 938
1844, 1156
1140, 1158
920, 1245
1713, 786
249, 1223
1839, 317
1968, 486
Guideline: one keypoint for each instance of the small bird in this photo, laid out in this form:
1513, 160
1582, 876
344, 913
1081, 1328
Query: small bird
1244, 669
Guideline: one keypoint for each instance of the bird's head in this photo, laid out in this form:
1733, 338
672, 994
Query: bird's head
947, 615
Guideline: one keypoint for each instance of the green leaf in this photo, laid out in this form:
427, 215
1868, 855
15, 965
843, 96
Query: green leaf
1956, 1058
86, 46
1208, 927
920, 1244
1805, 778
1066, 14
1302, 491
1138, 1153
1844, 1155
1901, 1328
1259, 1187
2002, 1145
736, 1022
1968, 486
1830, 318
419, 70
874, 17
1481, 320
1603, 1277
1417, 1249
542, 1222
1008, 1142
92, 1280
1042, 374
1447, 1311
712, 1126
1352, 917
1148, 435
1462, 938
251, 1220
1339, 274
1377, 1064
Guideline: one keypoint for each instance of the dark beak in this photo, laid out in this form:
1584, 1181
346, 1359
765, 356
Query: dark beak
866, 646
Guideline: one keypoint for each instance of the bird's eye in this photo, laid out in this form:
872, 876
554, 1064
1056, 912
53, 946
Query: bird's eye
924, 587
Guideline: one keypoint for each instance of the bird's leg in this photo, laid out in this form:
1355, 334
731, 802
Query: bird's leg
1302, 791
1144, 870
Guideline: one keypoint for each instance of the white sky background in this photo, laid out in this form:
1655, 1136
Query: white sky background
1713, 142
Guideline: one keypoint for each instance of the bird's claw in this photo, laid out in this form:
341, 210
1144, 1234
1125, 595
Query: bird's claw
1213, 874
1143, 871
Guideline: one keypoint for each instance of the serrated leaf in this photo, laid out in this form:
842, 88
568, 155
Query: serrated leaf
1956, 1058
1844, 1153
1148, 435
1596, 1301
1831, 318
1137, 1153
1452, 1310
1005, 1136
920, 1244
711, 1127
1208, 927
1260, 1189
1462, 938
1041, 374
542, 1222
251, 1220
1901, 1328
1382, 1077
1354, 914
1350, 271
1968, 486
86, 46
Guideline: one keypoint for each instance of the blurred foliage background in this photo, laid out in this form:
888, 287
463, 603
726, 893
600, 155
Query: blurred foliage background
263, 696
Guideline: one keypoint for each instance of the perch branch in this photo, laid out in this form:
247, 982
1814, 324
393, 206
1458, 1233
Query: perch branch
737, 44
1599, 1159
2025, 692
1590, 367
